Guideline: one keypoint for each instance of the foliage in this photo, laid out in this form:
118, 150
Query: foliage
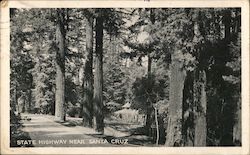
44, 83
139, 46
141, 95
114, 81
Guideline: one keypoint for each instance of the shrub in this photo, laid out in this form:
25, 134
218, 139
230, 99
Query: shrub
73, 111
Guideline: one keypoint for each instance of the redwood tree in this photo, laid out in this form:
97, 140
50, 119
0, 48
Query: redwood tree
87, 111
199, 88
174, 122
60, 67
98, 75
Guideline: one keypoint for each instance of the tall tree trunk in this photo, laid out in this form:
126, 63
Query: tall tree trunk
157, 127
174, 122
237, 123
200, 96
28, 101
60, 68
188, 110
226, 101
227, 24
98, 76
149, 111
81, 75
200, 99
149, 104
237, 126
87, 111
15, 103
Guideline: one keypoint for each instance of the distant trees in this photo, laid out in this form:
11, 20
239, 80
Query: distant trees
34, 71
19, 77
44, 84
114, 73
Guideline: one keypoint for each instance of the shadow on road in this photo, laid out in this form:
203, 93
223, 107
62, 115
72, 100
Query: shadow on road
16, 133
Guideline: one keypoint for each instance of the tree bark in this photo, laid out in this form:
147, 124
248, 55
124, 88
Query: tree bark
237, 126
149, 110
174, 122
188, 110
15, 103
237, 123
28, 101
149, 104
226, 135
60, 68
227, 24
87, 111
157, 127
98, 76
200, 97
200, 109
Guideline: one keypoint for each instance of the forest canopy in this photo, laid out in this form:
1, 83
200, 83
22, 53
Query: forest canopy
175, 71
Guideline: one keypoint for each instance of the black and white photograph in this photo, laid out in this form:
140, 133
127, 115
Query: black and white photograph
125, 77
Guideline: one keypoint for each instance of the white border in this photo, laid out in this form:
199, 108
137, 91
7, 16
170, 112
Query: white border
5, 71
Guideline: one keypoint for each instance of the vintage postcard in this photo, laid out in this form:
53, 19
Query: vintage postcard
125, 77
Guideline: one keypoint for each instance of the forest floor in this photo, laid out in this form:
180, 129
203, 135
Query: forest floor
45, 132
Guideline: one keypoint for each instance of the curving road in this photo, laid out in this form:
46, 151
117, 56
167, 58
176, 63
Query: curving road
44, 132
